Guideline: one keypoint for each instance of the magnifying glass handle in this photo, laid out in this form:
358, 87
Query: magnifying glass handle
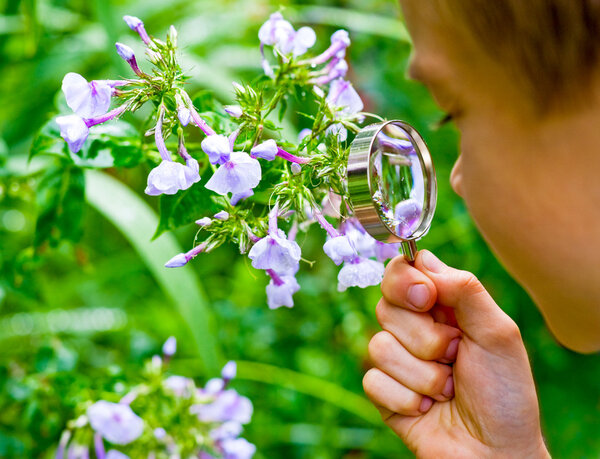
409, 250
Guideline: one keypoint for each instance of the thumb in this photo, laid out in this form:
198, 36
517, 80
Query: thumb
477, 314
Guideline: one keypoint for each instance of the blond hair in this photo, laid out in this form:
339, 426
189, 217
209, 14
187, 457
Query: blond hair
550, 47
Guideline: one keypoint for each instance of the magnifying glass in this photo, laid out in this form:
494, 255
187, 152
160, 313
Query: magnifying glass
392, 183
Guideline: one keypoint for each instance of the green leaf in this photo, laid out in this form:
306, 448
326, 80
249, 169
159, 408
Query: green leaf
111, 144
135, 219
310, 385
185, 207
60, 198
3, 152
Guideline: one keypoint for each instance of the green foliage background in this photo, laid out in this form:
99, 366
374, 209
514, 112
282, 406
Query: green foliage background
81, 318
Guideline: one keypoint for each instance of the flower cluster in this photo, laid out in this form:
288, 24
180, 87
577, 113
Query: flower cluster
166, 417
306, 175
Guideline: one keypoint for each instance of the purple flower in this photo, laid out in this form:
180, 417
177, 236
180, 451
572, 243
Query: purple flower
237, 197
137, 25
218, 148
233, 110
204, 221
360, 272
170, 346
168, 178
337, 68
159, 433
74, 130
339, 249
331, 205
116, 422
222, 215
280, 33
86, 99
296, 168
238, 175
184, 115
280, 290
275, 30
304, 133
237, 448
298, 43
384, 251
114, 454
266, 150
344, 98
229, 370
127, 54
346, 104
177, 261
213, 386
407, 215
182, 259
275, 251
360, 239
180, 385
340, 40
227, 406
230, 429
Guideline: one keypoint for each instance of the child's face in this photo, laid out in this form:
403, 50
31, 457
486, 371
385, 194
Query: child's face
530, 185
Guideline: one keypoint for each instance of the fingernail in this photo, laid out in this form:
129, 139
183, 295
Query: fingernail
426, 404
431, 262
452, 350
448, 387
418, 295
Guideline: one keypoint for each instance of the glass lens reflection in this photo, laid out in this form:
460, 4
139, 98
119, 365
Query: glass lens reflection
397, 181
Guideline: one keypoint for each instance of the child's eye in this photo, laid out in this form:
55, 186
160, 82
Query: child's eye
446, 118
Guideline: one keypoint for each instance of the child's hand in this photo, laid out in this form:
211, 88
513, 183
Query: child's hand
485, 404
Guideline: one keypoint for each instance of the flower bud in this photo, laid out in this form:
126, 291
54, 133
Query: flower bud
223, 215
204, 221
233, 110
132, 22
124, 51
170, 346
173, 35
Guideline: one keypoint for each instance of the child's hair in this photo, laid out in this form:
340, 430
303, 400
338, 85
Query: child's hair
552, 47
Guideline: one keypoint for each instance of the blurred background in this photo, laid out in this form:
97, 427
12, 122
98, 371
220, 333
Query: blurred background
82, 317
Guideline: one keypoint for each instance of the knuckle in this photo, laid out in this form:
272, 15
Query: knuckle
434, 381
381, 311
370, 381
468, 282
506, 332
428, 345
380, 345
406, 404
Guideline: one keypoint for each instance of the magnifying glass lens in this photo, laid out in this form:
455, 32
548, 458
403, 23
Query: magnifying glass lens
392, 184
397, 181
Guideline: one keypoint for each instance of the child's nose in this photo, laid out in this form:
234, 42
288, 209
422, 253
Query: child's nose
456, 177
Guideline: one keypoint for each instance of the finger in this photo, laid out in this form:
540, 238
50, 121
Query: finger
419, 333
424, 377
477, 314
407, 287
386, 392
